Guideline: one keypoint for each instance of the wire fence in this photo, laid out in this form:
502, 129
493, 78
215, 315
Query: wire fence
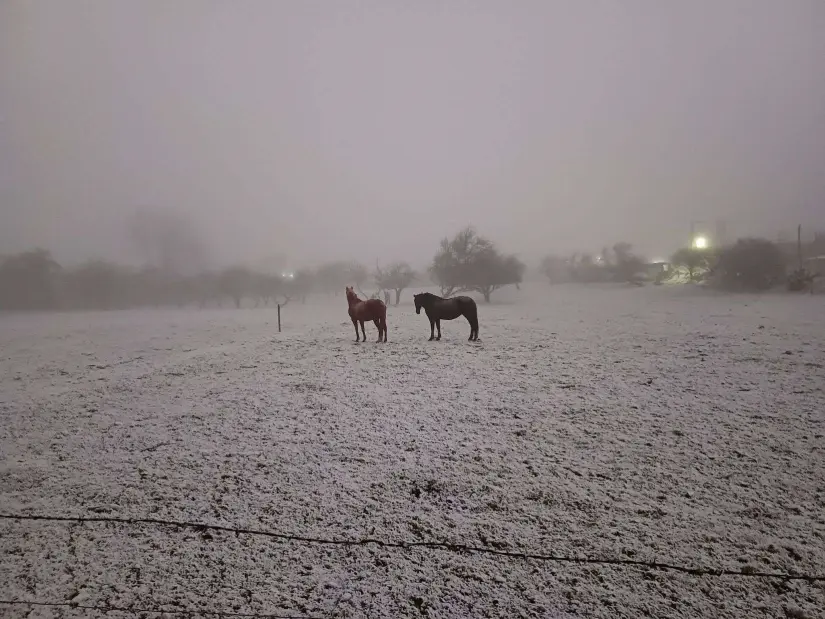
106, 609
746, 572
431, 545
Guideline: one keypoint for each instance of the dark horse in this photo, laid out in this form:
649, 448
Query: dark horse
438, 309
361, 311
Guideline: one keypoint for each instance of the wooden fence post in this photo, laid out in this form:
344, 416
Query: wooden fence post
279, 317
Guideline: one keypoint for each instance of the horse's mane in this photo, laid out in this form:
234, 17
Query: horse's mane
356, 299
430, 295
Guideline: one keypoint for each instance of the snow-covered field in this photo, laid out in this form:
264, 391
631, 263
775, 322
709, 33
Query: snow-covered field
664, 424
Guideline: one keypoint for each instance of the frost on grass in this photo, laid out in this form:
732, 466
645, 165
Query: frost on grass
650, 424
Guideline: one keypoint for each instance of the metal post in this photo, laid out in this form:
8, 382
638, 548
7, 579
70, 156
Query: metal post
279, 317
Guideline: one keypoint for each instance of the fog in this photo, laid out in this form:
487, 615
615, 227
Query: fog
370, 130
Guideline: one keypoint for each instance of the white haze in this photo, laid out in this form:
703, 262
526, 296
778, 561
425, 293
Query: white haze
369, 130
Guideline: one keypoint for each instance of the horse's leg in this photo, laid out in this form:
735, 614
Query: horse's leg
357, 335
473, 327
377, 323
363, 332
438, 326
432, 330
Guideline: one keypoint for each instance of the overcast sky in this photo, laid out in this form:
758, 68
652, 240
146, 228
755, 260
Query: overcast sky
370, 129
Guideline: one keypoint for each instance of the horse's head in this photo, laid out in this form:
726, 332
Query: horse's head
351, 296
417, 299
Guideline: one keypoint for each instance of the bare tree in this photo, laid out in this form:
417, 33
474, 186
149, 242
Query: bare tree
472, 262
492, 271
396, 277
450, 265
445, 268
236, 283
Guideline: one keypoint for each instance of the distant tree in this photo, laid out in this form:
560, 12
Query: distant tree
28, 281
397, 277
750, 264
555, 268
470, 262
152, 286
445, 269
186, 289
626, 265
262, 287
206, 288
97, 284
302, 284
493, 271
333, 277
583, 268
358, 275
695, 261
236, 283
281, 289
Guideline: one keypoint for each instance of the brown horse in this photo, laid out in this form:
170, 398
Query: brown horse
361, 311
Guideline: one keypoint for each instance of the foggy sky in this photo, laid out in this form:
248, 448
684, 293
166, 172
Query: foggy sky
370, 129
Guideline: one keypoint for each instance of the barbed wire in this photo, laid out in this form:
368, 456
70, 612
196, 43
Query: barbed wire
105, 608
745, 572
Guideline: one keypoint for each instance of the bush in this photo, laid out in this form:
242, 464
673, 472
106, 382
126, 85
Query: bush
28, 281
749, 265
695, 261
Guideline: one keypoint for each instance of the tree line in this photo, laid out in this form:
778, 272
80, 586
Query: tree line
34, 280
749, 264
613, 264
467, 262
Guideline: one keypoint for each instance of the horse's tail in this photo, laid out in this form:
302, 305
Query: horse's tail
472, 317
383, 320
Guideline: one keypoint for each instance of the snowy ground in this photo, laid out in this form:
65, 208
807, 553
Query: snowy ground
663, 424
